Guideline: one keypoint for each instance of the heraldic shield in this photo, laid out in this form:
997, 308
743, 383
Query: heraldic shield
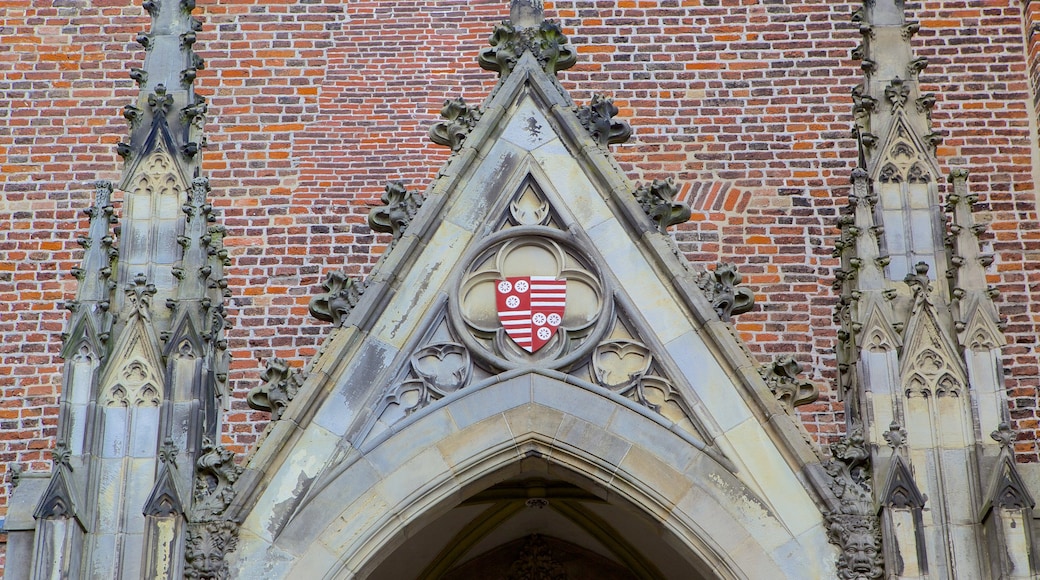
531, 308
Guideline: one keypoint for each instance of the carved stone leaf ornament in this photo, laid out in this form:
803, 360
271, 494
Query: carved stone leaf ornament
529, 252
781, 376
401, 206
658, 201
544, 40
459, 120
281, 382
720, 287
597, 118
341, 295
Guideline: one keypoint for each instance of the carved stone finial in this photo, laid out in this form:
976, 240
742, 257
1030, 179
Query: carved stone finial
896, 435
281, 382
657, 201
340, 297
544, 40
897, 93
919, 281
460, 119
597, 118
1003, 435
139, 293
720, 287
781, 377
168, 451
401, 206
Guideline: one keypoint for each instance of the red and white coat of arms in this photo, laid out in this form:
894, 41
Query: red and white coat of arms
531, 308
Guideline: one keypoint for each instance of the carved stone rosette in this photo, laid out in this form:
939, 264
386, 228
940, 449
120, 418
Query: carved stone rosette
530, 251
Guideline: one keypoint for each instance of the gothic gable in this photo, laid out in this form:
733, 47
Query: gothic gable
532, 320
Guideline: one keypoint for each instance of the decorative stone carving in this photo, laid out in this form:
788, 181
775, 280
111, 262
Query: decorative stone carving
781, 377
205, 549
341, 295
626, 368
211, 535
895, 436
897, 93
215, 474
401, 206
657, 200
460, 119
853, 525
530, 251
529, 210
720, 287
597, 118
437, 370
281, 382
510, 40
535, 562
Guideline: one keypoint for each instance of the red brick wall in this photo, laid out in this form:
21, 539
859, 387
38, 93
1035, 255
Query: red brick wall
315, 105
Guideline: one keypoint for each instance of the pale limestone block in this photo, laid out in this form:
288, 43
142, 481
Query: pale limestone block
412, 478
1016, 538
316, 563
533, 418
256, 558
966, 559
588, 438
984, 377
311, 521
710, 520
111, 475
144, 432
905, 539
423, 282
528, 128
412, 440
960, 486
132, 548
305, 461
744, 512
469, 208
348, 396
140, 477
113, 443
653, 478
581, 197
573, 400
955, 425
655, 303
768, 474
480, 404
653, 438
356, 524
476, 441
710, 383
